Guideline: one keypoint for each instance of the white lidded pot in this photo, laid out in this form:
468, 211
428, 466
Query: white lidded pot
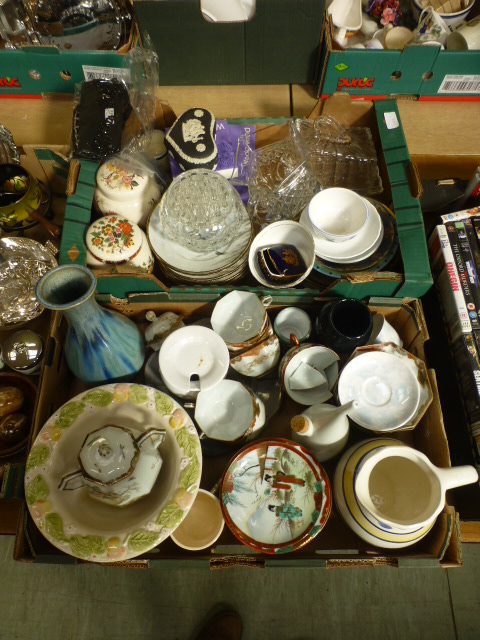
127, 190
398, 489
117, 466
113, 240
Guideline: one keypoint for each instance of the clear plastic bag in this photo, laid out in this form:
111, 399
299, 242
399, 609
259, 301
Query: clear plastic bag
116, 114
338, 156
279, 181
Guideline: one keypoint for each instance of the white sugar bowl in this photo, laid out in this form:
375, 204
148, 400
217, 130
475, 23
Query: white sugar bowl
129, 190
113, 240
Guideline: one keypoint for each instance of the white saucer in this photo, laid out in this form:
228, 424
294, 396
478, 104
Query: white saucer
357, 248
385, 388
192, 350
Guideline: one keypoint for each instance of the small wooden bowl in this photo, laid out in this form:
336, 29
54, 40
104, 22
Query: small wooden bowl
29, 390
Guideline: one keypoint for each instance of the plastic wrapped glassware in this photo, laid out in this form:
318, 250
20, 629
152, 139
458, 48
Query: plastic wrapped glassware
280, 182
201, 210
338, 156
23, 262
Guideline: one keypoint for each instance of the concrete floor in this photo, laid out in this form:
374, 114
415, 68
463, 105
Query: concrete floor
53, 602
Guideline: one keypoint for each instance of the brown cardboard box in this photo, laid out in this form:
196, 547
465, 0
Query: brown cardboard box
336, 545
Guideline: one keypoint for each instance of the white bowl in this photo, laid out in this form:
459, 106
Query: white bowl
452, 20
277, 233
192, 351
362, 245
338, 214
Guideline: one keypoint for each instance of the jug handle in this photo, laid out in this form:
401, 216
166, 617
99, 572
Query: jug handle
457, 476
148, 434
72, 481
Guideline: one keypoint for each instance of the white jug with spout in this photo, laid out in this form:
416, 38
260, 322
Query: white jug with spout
399, 490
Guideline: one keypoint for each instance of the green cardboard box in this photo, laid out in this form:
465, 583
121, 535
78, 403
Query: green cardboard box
279, 45
383, 118
426, 72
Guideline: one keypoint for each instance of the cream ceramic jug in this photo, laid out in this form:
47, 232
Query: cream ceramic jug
398, 489
116, 467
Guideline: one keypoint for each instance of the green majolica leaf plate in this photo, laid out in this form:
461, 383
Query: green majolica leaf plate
83, 527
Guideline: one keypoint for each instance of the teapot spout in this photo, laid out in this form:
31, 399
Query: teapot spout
72, 481
457, 476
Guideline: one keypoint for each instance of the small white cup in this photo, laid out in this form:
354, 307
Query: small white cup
240, 318
292, 321
431, 28
338, 214
398, 37
383, 331
305, 377
203, 524
467, 36
228, 412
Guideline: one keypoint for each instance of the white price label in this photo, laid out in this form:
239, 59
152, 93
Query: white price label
105, 73
460, 84
391, 120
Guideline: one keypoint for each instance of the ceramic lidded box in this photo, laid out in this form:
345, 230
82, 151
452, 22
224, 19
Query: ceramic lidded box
114, 239
126, 191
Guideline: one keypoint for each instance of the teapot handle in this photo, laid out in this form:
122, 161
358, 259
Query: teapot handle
72, 481
149, 433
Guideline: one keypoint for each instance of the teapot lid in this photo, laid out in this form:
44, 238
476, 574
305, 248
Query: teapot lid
109, 454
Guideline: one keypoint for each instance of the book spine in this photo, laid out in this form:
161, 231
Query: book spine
448, 283
462, 274
471, 272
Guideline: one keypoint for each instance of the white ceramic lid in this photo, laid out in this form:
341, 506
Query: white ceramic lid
120, 182
193, 351
114, 239
108, 454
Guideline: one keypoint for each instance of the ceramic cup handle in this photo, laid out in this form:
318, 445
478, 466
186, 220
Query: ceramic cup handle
294, 341
72, 481
148, 434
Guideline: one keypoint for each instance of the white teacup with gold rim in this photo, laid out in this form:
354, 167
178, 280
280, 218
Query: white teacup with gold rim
229, 412
241, 319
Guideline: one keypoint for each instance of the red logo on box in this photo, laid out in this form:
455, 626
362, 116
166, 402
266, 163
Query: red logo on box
355, 83
9, 82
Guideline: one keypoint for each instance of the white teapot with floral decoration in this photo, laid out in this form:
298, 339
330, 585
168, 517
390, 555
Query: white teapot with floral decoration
116, 466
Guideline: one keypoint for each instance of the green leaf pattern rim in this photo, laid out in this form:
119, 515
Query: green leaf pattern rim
96, 548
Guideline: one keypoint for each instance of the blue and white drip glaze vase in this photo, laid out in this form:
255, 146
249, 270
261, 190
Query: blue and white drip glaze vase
101, 345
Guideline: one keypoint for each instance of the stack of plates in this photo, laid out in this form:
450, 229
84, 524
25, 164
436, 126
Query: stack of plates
371, 249
182, 265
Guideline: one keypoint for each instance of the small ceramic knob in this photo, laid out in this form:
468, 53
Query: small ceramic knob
116, 240
126, 191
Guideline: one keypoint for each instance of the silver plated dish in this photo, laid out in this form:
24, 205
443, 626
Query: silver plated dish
82, 24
